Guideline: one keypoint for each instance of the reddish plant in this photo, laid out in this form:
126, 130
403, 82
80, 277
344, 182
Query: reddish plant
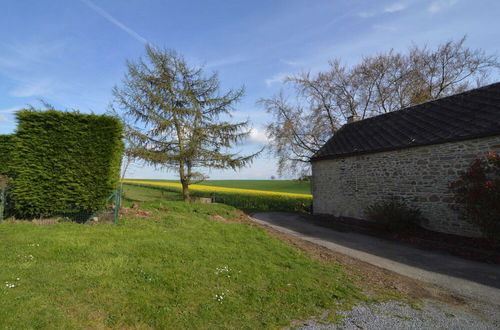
477, 195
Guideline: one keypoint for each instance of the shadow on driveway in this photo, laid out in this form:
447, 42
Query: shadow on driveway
470, 278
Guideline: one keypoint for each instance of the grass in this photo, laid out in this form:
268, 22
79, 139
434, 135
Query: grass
166, 267
287, 186
245, 199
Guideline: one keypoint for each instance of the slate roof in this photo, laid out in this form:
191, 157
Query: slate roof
468, 115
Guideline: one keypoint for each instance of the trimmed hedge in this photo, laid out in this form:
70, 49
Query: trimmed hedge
6, 147
64, 162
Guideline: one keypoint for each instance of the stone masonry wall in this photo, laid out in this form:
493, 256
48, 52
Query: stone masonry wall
421, 175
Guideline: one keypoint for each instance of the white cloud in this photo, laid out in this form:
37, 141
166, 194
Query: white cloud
277, 78
10, 110
292, 63
33, 88
226, 61
395, 7
114, 21
384, 28
440, 5
367, 14
6, 114
28, 56
258, 135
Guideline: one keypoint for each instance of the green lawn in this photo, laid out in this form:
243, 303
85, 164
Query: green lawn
168, 266
289, 186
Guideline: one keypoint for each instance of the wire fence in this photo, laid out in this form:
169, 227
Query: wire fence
110, 212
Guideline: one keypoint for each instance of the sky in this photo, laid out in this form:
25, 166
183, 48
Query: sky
70, 53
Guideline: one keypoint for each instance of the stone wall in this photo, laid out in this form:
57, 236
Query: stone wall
421, 175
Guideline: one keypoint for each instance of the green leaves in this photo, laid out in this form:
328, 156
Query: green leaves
6, 147
64, 162
175, 116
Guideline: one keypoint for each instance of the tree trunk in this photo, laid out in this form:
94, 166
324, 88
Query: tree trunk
185, 191
184, 182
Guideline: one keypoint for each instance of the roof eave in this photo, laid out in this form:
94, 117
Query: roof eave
358, 153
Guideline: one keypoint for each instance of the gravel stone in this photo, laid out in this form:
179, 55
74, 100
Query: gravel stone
397, 315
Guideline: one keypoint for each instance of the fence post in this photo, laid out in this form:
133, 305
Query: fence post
2, 202
118, 205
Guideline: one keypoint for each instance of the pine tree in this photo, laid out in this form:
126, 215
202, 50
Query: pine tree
176, 117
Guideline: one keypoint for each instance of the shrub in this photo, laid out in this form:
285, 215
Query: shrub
394, 215
64, 162
6, 147
477, 195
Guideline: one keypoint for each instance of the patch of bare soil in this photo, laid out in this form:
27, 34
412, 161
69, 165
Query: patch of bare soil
239, 217
136, 211
38, 222
45, 222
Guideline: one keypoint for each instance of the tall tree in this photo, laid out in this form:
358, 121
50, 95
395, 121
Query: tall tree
177, 118
323, 102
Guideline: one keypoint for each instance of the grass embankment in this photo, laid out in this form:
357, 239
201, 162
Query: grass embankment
245, 199
167, 265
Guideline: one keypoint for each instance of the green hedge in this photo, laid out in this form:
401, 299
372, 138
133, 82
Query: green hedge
6, 146
64, 162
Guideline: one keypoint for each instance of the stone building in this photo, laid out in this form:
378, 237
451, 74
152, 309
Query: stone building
412, 153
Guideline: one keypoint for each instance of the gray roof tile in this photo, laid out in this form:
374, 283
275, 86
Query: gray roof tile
468, 115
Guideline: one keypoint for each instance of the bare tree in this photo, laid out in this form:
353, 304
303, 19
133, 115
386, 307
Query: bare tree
379, 84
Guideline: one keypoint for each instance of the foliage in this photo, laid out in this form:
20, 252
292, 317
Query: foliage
378, 84
6, 147
64, 162
248, 200
162, 272
477, 194
175, 117
394, 215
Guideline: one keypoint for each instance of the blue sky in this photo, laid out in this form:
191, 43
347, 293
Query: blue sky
72, 52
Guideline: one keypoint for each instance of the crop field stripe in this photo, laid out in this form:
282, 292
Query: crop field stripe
196, 187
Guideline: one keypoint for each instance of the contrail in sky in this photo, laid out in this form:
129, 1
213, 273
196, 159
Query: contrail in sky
116, 22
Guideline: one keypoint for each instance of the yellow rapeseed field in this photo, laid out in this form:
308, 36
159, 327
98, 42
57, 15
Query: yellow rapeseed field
196, 187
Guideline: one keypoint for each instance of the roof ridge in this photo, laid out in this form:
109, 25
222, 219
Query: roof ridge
410, 107
470, 114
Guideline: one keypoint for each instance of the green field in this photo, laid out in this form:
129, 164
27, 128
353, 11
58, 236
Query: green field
167, 264
247, 200
289, 186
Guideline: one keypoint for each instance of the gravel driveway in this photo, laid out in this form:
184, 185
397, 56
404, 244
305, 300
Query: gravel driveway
395, 315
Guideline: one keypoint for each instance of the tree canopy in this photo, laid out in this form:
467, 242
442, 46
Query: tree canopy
322, 102
177, 118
